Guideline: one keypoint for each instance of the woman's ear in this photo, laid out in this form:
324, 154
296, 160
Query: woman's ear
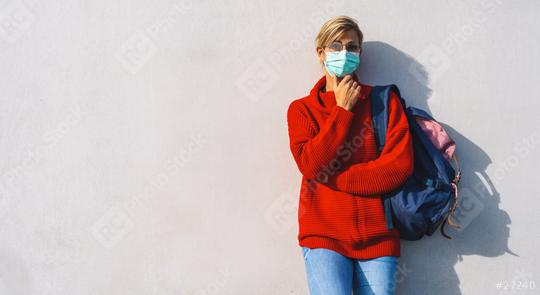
320, 55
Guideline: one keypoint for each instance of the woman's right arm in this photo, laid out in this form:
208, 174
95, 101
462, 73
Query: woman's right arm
390, 169
314, 150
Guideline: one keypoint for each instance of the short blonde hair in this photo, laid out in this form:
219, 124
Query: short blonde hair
334, 28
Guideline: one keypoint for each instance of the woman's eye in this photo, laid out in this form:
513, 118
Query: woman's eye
352, 47
336, 46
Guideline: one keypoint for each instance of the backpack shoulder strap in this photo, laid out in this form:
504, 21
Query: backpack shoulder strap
379, 111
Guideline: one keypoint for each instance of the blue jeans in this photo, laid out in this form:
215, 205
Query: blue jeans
331, 273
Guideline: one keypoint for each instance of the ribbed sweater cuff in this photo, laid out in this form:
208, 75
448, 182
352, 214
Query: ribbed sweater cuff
342, 115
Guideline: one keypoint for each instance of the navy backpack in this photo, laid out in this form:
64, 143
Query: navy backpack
428, 197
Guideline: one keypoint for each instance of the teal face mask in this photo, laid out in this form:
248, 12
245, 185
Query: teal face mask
341, 63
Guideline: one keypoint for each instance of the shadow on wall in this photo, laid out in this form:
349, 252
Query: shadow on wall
427, 266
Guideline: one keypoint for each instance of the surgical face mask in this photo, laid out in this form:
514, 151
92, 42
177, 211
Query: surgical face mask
341, 63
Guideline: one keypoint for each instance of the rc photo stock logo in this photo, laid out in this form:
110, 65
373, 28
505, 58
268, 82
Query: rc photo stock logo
117, 222
15, 19
112, 227
436, 62
282, 213
471, 199
141, 47
136, 52
437, 59
469, 206
261, 75
258, 79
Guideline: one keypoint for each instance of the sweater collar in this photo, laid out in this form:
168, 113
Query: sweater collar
327, 100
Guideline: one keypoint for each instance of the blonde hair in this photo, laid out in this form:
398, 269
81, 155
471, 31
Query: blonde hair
334, 28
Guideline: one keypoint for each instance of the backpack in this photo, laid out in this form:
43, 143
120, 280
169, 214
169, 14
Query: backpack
429, 196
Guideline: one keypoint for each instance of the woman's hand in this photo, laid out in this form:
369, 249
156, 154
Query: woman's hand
346, 92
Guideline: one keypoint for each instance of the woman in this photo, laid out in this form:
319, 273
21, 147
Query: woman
342, 230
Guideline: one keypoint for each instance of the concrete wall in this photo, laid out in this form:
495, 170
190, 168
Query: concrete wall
145, 150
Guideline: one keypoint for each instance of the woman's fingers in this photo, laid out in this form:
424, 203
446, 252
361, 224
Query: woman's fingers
351, 88
346, 80
354, 92
357, 90
347, 91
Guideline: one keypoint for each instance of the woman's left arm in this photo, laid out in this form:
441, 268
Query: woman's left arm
393, 166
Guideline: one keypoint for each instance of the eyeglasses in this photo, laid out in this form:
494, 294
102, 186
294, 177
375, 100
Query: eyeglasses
338, 46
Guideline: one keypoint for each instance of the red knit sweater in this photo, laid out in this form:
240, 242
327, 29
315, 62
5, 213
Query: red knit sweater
340, 205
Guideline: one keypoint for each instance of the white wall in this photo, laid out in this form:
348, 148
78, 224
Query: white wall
145, 150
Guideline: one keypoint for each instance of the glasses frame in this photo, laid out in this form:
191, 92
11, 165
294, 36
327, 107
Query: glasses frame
345, 46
